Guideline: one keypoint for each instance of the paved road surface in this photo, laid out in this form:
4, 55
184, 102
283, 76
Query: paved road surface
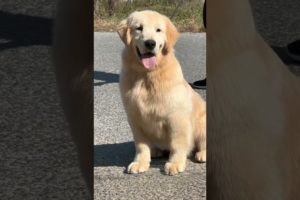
38, 159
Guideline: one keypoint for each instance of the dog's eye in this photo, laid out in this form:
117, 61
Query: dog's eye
140, 28
158, 30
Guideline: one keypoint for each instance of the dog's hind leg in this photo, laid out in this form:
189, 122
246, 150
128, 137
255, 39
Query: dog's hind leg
200, 154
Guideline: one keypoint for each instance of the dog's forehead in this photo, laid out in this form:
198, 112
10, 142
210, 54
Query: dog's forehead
150, 18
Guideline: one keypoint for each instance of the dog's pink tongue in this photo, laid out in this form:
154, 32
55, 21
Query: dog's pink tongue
150, 62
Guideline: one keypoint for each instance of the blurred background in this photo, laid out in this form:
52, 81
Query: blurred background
185, 14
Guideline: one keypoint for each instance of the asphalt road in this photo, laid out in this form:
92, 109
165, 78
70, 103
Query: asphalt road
38, 159
114, 148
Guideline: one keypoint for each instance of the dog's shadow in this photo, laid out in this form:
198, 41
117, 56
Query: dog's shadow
105, 78
19, 30
122, 154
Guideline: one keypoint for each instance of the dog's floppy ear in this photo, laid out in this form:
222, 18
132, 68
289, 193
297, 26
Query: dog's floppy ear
172, 36
124, 32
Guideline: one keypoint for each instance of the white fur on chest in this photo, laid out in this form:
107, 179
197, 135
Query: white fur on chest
153, 108
149, 104
158, 104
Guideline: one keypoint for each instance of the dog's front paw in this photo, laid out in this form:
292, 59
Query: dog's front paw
201, 156
138, 167
174, 168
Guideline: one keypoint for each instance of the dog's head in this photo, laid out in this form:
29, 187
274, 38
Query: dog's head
149, 35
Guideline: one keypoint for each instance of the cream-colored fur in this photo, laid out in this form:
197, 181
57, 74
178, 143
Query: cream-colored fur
253, 112
163, 111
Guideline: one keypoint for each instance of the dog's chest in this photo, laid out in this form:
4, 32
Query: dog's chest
150, 110
148, 102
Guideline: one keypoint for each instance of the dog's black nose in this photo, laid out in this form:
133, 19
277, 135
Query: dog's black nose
150, 44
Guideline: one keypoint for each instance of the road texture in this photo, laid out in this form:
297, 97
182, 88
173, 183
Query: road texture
114, 147
38, 159
279, 24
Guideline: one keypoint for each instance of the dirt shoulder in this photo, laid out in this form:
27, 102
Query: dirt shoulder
186, 15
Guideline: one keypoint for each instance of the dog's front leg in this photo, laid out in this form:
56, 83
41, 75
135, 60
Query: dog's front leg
142, 158
180, 145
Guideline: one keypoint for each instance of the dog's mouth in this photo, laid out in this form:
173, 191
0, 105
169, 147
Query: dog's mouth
148, 59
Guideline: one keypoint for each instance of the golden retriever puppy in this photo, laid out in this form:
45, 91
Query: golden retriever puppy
163, 111
253, 120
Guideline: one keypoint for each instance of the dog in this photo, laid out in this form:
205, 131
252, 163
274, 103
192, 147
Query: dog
163, 111
253, 111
